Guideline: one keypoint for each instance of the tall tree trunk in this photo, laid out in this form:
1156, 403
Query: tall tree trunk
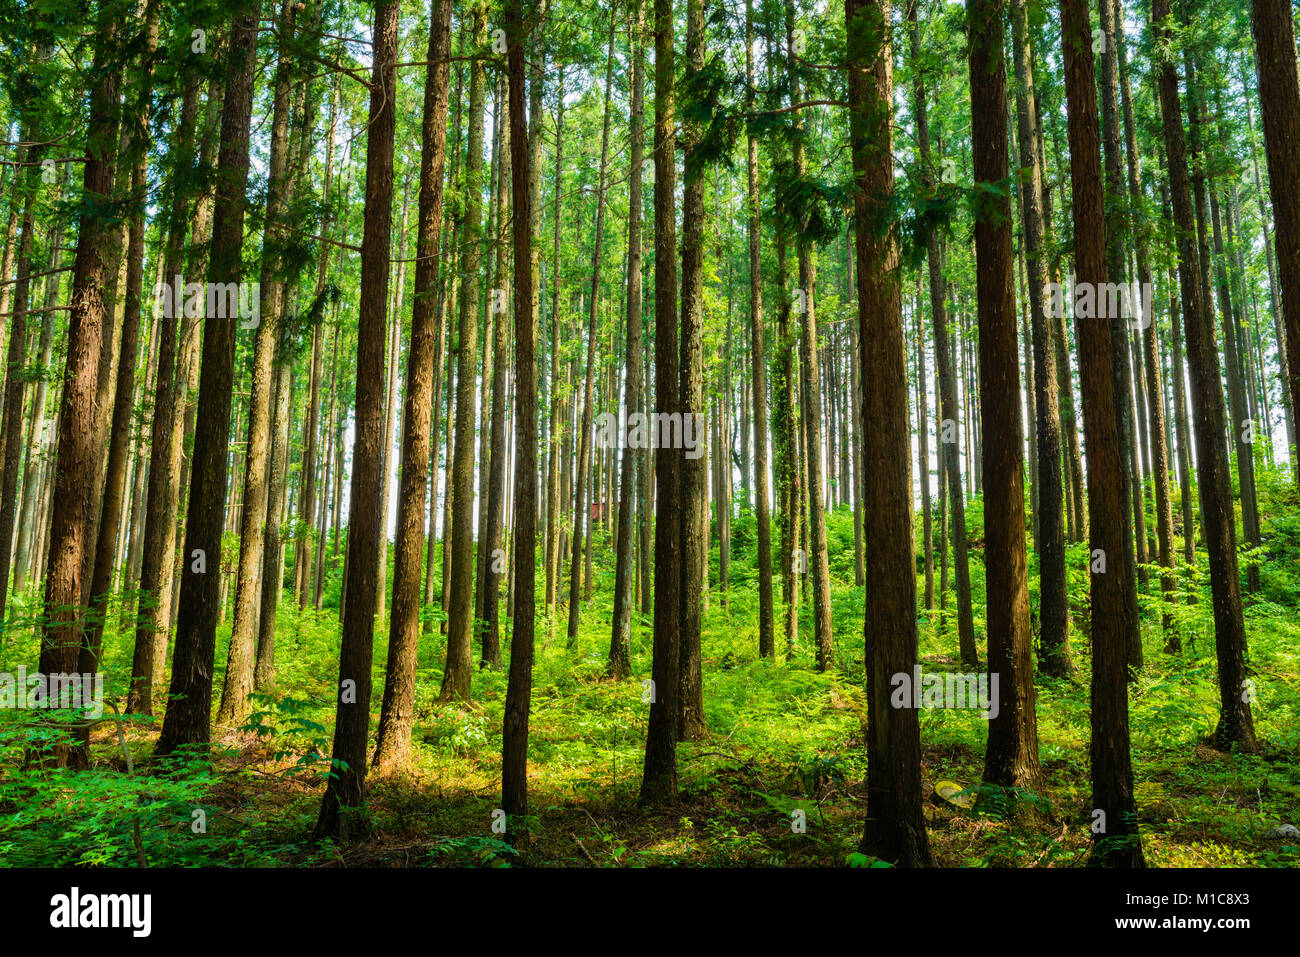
692, 493
37, 447
11, 431
442, 367
114, 493
659, 777
397, 717
1236, 728
1054, 653
620, 656
1183, 431
312, 436
492, 564
1117, 236
581, 518
189, 345
551, 557
758, 364
199, 599
895, 826
859, 556
1114, 612
328, 500
109, 355
390, 411
129, 546
785, 441
812, 392
923, 454
487, 370
460, 611
342, 813
1242, 427
1288, 408
949, 470
71, 515
272, 545
1273, 25
240, 665
1150, 355
514, 747
1077, 527
1011, 759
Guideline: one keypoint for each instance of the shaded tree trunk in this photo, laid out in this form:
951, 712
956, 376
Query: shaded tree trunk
1157, 430
11, 429
692, 493
1117, 237
342, 813
659, 776
1236, 728
895, 826
1054, 651
460, 610
492, 563
581, 520
241, 663
947, 426
1273, 25
514, 747
1114, 612
1011, 759
71, 513
818, 560
620, 663
199, 595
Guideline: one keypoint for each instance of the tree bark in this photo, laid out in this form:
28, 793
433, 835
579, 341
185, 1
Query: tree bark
581, 519
1114, 613
620, 656
1273, 25
1236, 727
1054, 653
199, 599
1157, 430
895, 826
74, 468
492, 563
240, 665
947, 427
11, 429
342, 813
692, 493
460, 611
514, 747
659, 776
1117, 236
1011, 758
397, 717
818, 560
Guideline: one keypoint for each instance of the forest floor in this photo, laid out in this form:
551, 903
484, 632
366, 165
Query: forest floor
783, 738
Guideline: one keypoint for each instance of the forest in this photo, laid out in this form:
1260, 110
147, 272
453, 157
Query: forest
712, 433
